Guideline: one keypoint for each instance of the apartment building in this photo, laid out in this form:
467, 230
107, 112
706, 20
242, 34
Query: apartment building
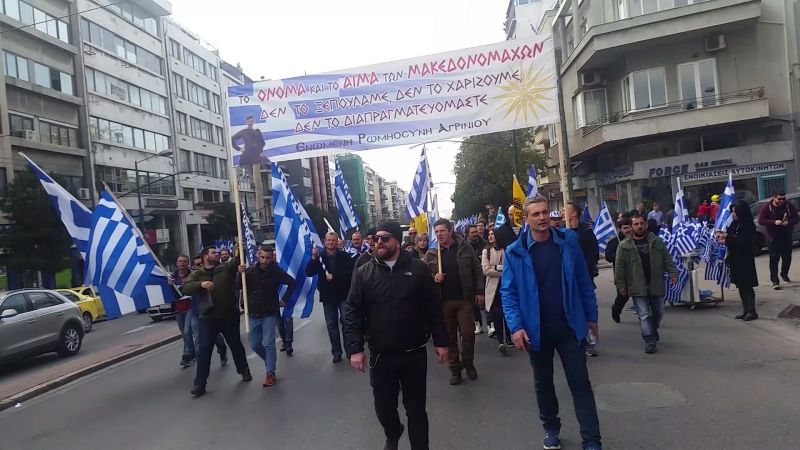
42, 109
658, 91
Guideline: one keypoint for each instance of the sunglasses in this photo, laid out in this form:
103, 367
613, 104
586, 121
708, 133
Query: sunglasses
383, 238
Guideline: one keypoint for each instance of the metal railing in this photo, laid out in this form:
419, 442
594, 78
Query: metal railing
676, 106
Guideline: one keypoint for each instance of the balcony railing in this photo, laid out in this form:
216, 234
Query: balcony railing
744, 95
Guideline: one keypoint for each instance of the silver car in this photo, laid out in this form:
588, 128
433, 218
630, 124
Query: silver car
35, 321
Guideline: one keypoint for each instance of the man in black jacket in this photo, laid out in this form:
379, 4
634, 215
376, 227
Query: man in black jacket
366, 256
335, 270
394, 299
624, 227
253, 143
264, 281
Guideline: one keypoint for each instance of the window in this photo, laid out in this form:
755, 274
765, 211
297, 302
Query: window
178, 85
41, 300
188, 194
185, 161
135, 15
552, 132
104, 130
174, 49
120, 47
41, 75
20, 124
203, 131
213, 72
206, 164
57, 134
215, 103
183, 124
195, 62
108, 85
771, 184
698, 83
223, 168
590, 108
633, 8
208, 196
197, 94
16, 66
12, 8
16, 302
644, 89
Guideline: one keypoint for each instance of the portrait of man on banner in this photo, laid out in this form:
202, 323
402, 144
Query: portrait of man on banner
253, 142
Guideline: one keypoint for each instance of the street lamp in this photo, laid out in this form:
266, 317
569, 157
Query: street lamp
165, 154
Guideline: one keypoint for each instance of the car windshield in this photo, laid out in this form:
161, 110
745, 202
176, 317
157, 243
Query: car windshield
70, 296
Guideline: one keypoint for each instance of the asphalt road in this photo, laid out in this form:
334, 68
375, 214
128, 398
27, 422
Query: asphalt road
104, 335
716, 383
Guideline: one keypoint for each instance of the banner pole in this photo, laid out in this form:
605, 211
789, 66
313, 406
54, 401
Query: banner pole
242, 261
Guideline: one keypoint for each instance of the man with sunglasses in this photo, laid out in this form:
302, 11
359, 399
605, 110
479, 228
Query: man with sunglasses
394, 300
779, 217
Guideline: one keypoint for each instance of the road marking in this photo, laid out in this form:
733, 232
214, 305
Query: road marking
136, 330
296, 329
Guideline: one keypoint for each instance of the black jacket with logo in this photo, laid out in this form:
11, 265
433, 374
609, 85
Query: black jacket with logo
340, 265
398, 307
263, 286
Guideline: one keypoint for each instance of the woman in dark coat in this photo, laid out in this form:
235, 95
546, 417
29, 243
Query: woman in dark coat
739, 240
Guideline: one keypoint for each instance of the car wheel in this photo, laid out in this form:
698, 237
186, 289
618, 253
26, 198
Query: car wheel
87, 322
70, 340
157, 319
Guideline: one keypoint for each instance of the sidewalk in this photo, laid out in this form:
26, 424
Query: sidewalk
36, 383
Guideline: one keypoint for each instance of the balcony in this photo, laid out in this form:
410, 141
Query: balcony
616, 128
605, 43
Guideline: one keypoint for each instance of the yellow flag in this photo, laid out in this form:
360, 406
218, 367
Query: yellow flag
518, 195
420, 223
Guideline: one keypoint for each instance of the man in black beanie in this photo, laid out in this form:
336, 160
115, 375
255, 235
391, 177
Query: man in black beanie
393, 298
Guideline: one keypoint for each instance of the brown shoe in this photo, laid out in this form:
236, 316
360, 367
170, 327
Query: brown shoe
472, 373
270, 380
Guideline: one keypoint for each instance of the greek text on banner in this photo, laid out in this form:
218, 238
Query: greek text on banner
486, 89
722, 173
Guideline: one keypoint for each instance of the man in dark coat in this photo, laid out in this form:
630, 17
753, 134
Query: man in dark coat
253, 143
624, 227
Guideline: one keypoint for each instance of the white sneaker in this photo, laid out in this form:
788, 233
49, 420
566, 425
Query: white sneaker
491, 330
478, 329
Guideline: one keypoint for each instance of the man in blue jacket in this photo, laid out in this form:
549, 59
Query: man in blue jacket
550, 305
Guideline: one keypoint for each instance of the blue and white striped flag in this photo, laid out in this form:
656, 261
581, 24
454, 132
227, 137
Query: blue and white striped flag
500, 220
533, 185
683, 239
674, 291
418, 196
604, 228
433, 216
724, 215
118, 258
294, 238
250, 246
681, 211
344, 202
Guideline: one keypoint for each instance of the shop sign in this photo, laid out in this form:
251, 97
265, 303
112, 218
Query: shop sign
716, 164
669, 171
162, 235
162, 203
736, 171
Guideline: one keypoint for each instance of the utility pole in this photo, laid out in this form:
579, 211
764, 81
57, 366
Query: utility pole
514, 149
563, 143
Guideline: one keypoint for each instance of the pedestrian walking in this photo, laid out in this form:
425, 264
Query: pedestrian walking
591, 254
550, 306
462, 285
366, 256
492, 265
656, 214
193, 324
264, 281
335, 270
739, 240
641, 263
624, 231
183, 310
219, 314
394, 301
478, 244
779, 217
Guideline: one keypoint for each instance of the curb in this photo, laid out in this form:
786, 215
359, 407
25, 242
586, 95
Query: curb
40, 389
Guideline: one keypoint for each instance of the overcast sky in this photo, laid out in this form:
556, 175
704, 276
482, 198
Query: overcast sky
285, 38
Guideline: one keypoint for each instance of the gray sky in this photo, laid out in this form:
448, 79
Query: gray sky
286, 38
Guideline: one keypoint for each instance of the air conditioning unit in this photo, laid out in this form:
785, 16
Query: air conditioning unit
715, 43
590, 79
83, 193
27, 134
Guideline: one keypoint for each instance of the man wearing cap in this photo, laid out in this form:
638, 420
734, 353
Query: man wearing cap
714, 208
253, 143
394, 300
556, 220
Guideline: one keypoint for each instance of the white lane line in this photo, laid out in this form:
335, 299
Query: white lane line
136, 330
296, 329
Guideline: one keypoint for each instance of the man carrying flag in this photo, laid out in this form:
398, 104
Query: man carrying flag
219, 313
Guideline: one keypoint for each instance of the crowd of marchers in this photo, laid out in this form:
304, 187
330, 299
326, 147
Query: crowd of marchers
387, 297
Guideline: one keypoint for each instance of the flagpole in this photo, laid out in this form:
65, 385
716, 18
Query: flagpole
139, 233
238, 206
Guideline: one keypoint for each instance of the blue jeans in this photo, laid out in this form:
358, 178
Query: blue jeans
262, 340
334, 315
192, 328
650, 310
286, 330
561, 338
189, 350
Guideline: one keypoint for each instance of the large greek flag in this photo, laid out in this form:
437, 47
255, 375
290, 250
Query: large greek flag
724, 215
418, 196
604, 228
344, 202
294, 238
250, 246
118, 258
681, 211
533, 184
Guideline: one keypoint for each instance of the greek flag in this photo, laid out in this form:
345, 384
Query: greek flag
433, 216
418, 196
681, 211
250, 246
118, 258
533, 185
683, 239
294, 237
716, 269
344, 202
724, 215
604, 228
500, 220
585, 216
673, 294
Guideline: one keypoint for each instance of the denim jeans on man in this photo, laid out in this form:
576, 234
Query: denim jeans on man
561, 338
334, 317
189, 351
650, 310
286, 330
262, 340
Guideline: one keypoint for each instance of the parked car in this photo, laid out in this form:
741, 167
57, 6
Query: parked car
91, 306
761, 241
161, 312
36, 321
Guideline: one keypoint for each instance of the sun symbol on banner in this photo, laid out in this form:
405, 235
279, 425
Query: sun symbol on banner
527, 94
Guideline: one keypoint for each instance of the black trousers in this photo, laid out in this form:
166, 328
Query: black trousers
779, 251
209, 330
406, 371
